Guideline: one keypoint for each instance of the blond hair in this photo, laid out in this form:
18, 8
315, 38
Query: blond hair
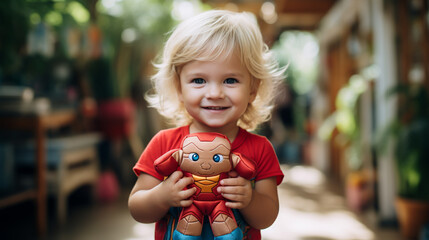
206, 37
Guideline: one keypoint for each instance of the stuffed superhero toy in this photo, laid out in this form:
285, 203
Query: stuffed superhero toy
207, 158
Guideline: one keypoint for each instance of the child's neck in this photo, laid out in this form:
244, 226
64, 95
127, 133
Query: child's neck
229, 131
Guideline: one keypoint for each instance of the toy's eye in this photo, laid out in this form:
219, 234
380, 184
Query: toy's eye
217, 158
194, 156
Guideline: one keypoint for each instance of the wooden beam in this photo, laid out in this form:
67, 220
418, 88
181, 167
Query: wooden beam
252, 6
338, 20
404, 31
304, 6
308, 21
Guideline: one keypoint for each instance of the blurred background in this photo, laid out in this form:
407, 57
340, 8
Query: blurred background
350, 126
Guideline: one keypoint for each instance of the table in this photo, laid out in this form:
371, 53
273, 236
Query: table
38, 123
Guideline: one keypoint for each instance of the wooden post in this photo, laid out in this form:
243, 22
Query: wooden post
40, 177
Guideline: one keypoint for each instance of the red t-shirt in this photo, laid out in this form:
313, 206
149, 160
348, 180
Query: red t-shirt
253, 146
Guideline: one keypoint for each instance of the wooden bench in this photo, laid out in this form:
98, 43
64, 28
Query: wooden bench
72, 162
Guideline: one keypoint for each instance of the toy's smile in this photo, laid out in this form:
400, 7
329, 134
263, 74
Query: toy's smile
205, 174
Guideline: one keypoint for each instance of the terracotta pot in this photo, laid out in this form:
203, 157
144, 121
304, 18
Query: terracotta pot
412, 215
359, 191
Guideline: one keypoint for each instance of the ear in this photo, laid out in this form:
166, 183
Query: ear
252, 96
179, 89
179, 92
254, 89
235, 159
178, 85
178, 156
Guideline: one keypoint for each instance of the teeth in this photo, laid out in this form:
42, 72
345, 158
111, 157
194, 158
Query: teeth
215, 108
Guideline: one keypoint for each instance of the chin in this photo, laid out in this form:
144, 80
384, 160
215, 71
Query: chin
216, 125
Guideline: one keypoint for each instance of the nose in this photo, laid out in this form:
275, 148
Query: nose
205, 166
214, 91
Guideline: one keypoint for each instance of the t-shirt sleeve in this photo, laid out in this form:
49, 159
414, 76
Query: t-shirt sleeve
269, 165
149, 155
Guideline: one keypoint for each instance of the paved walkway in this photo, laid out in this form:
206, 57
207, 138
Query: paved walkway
310, 209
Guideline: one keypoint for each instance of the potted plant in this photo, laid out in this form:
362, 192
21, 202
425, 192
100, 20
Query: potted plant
410, 135
343, 127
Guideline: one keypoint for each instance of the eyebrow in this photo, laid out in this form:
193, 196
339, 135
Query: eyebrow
194, 75
203, 74
233, 74
191, 145
220, 146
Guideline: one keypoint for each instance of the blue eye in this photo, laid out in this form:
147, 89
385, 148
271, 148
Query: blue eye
198, 81
194, 157
217, 158
230, 81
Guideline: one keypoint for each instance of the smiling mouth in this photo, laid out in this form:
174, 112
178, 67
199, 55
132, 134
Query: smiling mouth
215, 108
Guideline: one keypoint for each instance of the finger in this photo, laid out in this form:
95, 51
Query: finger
238, 181
175, 176
234, 197
183, 182
231, 190
236, 205
185, 194
185, 203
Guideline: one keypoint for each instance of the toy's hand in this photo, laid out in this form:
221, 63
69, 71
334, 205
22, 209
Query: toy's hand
174, 190
237, 190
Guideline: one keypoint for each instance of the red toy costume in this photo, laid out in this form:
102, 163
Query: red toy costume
207, 158
254, 147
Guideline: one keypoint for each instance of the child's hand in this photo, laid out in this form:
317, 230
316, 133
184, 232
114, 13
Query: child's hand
236, 189
174, 190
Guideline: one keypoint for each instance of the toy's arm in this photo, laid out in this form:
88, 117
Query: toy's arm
168, 162
244, 166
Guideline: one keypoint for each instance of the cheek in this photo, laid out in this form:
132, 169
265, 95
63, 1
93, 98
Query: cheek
240, 96
189, 166
224, 166
190, 96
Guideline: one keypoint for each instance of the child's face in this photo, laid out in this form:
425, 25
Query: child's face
216, 93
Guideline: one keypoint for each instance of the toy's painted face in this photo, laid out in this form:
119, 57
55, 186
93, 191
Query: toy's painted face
206, 158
